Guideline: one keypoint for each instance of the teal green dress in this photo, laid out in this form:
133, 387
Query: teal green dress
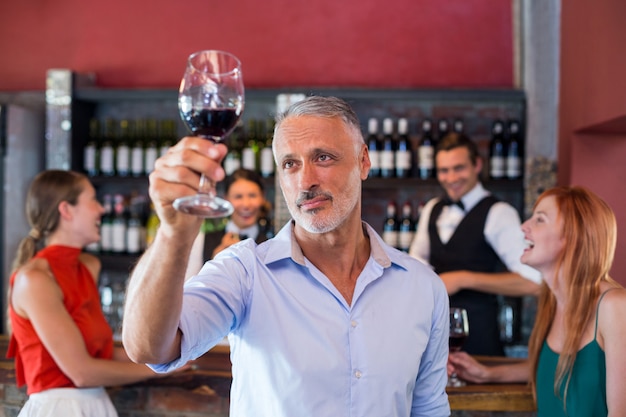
586, 396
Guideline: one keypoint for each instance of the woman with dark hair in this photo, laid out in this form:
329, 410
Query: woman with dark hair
580, 326
245, 191
61, 341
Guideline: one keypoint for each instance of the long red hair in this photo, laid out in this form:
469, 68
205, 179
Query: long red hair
590, 230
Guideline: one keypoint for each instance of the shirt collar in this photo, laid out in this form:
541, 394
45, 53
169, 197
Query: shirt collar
474, 196
284, 245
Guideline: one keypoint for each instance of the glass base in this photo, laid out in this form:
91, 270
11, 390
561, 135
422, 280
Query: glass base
202, 205
454, 381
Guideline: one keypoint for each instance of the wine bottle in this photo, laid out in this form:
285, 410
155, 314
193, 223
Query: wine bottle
119, 224
514, 151
106, 225
426, 151
122, 150
390, 226
406, 228
458, 126
107, 151
403, 160
90, 157
250, 150
266, 155
152, 225
166, 136
153, 148
387, 153
232, 161
497, 151
373, 146
137, 150
443, 128
134, 226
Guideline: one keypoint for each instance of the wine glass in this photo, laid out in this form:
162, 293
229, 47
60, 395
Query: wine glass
210, 101
459, 330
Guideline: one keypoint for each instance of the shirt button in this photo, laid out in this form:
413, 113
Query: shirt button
353, 323
358, 374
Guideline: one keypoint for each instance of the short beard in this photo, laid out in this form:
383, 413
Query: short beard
310, 222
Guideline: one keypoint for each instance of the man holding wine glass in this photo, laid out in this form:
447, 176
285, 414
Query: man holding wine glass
324, 319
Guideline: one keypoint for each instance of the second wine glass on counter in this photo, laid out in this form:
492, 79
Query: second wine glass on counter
211, 101
459, 330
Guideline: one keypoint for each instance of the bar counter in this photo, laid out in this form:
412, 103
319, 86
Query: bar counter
205, 391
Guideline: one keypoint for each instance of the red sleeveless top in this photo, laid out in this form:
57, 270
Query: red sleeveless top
34, 365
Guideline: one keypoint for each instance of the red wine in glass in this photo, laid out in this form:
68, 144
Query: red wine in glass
211, 123
210, 101
456, 342
459, 330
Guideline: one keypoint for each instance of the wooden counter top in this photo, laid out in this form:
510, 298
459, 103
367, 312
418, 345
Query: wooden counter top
214, 370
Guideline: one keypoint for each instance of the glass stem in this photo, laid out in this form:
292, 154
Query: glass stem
207, 186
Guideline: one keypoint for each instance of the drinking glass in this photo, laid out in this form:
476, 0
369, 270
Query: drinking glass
459, 330
210, 101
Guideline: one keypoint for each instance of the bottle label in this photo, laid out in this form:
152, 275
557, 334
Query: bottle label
426, 157
123, 159
374, 159
133, 239
106, 237
405, 239
386, 159
231, 164
150, 159
90, 159
136, 164
403, 160
513, 167
390, 237
119, 237
497, 167
267, 162
248, 160
106, 160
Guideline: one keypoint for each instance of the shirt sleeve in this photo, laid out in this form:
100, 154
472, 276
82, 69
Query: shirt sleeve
503, 231
429, 396
214, 303
420, 247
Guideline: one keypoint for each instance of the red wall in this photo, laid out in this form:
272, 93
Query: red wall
592, 139
399, 43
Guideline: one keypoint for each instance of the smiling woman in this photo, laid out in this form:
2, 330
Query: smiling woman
250, 219
61, 340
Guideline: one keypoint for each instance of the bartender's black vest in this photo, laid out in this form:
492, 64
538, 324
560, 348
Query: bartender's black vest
468, 249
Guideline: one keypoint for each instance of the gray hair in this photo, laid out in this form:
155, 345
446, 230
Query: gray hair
319, 106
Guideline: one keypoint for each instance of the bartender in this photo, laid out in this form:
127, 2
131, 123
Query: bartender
474, 242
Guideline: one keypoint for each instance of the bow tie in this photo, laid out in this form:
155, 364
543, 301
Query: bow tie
448, 202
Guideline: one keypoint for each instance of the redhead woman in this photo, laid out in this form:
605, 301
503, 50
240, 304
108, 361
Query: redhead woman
576, 364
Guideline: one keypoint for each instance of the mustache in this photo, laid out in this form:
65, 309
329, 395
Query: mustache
310, 195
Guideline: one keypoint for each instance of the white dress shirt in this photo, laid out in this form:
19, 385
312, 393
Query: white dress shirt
502, 231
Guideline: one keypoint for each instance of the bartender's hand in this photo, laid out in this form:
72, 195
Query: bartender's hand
177, 174
453, 280
227, 240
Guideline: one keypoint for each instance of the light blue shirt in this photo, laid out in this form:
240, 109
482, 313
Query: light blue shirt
299, 349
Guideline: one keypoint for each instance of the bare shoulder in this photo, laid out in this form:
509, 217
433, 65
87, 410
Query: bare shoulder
92, 263
614, 301
32, 280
